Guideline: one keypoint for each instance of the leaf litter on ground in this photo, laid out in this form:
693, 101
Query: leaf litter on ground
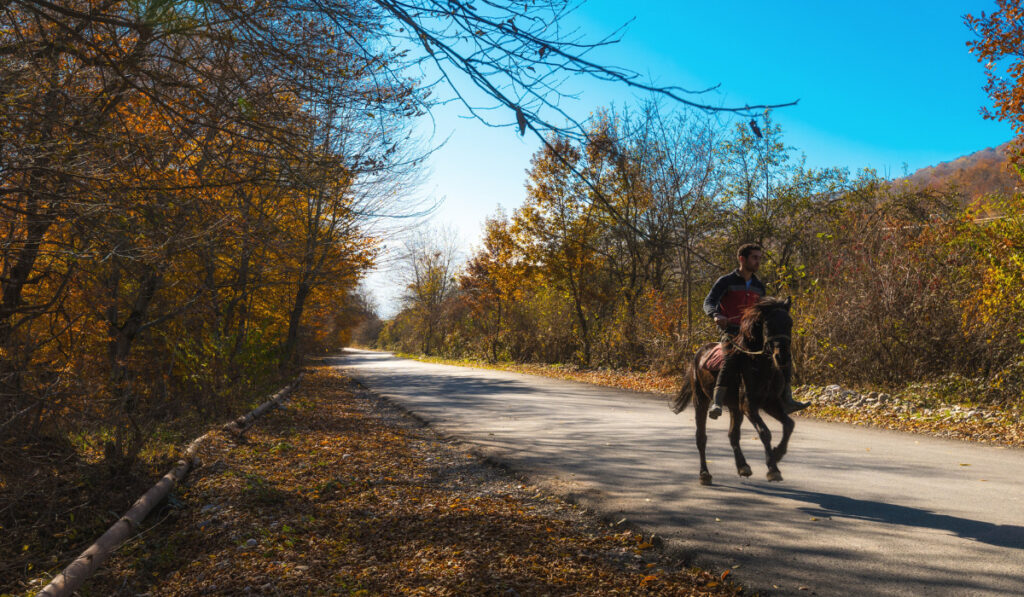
365, 501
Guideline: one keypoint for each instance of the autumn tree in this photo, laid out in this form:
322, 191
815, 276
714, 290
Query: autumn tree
494, 281
558, 228
363, 317
990, 253
684, 175
999, 45
429, 266
770, 196
158, 153
659, 176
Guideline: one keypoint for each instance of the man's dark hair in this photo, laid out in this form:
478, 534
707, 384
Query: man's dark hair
745, 250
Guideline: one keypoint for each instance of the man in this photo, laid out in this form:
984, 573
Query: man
731, 295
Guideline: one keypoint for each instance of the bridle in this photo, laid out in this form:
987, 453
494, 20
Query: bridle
769, 341
769, 346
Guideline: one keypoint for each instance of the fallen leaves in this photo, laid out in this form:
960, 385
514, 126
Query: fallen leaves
361, 502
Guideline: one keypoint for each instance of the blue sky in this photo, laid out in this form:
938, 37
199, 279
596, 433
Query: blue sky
879, 84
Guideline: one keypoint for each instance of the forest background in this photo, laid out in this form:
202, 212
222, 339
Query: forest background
622, 233
191, 192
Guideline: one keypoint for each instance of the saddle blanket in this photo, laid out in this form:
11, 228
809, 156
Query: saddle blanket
712, 359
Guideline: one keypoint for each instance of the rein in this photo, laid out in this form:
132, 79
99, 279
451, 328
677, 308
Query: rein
764, 349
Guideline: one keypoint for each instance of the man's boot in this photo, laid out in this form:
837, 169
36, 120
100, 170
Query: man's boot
719, 395
790, 404
725, 380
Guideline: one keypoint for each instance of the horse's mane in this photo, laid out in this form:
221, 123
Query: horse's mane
754, 313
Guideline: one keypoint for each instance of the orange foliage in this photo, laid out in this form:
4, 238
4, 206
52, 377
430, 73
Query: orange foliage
999, 45
178, 226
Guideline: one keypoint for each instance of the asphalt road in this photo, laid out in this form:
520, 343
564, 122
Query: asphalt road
860, 512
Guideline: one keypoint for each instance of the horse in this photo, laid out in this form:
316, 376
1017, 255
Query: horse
765, 367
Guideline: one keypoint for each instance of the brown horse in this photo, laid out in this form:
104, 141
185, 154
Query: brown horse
765, 367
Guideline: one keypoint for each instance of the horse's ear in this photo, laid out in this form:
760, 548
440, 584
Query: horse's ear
788, 303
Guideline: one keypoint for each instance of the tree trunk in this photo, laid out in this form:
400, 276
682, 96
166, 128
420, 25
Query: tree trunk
689, 290
122, 336
301, 294
581, 317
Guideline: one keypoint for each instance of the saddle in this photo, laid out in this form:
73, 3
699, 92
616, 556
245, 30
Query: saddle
712, 359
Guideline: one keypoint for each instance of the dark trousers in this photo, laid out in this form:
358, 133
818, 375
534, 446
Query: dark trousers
728, 375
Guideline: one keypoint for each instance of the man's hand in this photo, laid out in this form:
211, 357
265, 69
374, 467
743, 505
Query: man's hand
721, 321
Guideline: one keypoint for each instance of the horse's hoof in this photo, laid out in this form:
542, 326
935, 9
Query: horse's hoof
774, 476
744, 471
705, 478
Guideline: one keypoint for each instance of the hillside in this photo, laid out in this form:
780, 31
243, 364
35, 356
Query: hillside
980, 173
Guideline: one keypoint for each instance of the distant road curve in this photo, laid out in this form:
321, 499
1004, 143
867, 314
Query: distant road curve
861, 511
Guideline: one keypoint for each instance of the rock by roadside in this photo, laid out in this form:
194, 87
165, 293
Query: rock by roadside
976, 423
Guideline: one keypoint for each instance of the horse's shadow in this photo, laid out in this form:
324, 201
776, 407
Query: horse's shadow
830, 505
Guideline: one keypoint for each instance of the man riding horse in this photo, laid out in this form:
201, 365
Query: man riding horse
731, 295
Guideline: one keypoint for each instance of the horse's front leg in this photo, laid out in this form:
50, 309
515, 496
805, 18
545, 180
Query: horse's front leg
735, 421
787, 430
766, 438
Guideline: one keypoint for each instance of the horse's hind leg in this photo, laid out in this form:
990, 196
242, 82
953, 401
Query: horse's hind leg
766, 438
701, 402
735, 421
701, 408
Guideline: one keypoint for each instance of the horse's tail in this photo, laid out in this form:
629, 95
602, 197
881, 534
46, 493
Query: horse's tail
682, 399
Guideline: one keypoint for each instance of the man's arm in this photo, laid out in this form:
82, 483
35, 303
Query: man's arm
714, 298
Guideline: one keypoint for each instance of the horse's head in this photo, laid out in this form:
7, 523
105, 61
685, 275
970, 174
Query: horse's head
767, 326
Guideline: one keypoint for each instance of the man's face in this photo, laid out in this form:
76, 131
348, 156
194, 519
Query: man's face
751, 262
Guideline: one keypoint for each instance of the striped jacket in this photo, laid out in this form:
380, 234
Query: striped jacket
731, 295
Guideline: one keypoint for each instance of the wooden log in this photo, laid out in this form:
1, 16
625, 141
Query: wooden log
72, 577
245, 421
84, 565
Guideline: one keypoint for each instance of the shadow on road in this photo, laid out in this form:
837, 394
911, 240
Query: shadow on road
830, 505
616, 451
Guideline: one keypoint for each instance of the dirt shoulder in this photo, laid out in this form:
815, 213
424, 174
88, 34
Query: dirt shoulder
917, 410
341, 494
